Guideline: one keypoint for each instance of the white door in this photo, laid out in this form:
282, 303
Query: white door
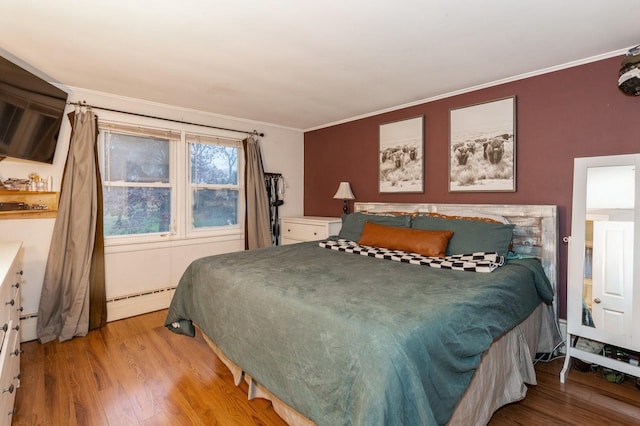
612, 290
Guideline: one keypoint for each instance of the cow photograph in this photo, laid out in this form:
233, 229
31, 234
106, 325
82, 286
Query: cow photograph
401, 156
482, 147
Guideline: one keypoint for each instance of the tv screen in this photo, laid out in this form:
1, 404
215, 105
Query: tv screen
31, 112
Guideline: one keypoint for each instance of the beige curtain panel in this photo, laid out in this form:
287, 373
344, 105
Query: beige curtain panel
75, 263
257, 220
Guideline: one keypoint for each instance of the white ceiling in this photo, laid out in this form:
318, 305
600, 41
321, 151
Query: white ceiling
306, 64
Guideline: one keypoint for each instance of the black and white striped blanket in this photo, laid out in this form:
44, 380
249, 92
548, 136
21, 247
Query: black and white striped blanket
474, 262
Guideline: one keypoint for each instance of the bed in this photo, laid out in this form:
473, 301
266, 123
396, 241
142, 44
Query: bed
343, 331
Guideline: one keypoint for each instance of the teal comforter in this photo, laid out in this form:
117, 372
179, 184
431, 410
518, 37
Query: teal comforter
353, 340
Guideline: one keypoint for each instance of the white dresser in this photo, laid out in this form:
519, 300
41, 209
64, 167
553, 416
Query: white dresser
10, 280
308, 228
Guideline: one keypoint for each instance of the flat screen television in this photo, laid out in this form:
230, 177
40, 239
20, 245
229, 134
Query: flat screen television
31, 112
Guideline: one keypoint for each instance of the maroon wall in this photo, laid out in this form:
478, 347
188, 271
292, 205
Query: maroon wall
576, 112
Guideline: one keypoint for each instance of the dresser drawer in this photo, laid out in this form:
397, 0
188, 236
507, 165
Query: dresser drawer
286, 241
16, 308
9, 375
14, 354
303, 231
308, 228
6, 309
10, 280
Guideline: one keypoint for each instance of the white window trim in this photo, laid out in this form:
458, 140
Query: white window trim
178, 178
192, 232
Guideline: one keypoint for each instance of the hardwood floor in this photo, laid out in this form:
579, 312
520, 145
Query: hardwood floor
584, 399
135, 372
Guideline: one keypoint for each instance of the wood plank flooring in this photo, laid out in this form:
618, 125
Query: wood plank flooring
135, 372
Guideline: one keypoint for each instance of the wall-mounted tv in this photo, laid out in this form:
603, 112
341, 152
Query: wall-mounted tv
31, 112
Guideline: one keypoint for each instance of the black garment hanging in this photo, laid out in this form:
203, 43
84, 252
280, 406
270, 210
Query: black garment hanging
275, 192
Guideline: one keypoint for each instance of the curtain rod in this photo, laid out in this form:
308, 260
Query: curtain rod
84, 104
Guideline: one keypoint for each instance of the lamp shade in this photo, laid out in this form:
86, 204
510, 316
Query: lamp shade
344, 192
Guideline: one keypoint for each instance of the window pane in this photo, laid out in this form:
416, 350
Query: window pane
129, 211
136, 158
214, 164
214, 207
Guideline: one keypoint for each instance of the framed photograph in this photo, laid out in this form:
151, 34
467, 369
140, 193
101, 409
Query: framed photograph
482, 147
401, 156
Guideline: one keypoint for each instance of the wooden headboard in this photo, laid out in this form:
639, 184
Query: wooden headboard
535, 234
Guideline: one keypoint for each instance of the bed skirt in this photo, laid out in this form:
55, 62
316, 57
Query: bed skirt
501, 377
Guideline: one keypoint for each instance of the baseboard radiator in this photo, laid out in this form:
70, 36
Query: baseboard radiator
117, 308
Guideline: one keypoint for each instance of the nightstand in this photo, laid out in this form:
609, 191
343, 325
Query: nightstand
308, 228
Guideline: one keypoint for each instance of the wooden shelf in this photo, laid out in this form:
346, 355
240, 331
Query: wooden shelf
30, 198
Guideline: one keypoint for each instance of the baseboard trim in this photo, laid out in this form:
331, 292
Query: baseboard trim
28, 326
138, 304
117, 308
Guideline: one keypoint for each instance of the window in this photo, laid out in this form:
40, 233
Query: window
214, 184
168, 184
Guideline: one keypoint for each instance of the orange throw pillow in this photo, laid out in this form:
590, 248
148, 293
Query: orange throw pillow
424, 242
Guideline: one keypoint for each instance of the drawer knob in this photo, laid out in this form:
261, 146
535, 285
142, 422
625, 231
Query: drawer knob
11, 302
17, 377
13, 412
5, 327
16, 352
16, 285
20, 309
20, 272
17, 328
10, 389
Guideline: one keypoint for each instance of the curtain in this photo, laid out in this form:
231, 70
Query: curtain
257, 223
73, 297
